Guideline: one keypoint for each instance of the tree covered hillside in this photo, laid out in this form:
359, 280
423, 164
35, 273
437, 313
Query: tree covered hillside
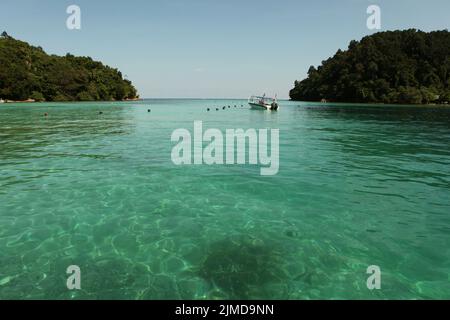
410, 67
27, 72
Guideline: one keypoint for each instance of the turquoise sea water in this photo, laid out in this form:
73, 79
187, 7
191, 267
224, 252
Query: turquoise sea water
358, 185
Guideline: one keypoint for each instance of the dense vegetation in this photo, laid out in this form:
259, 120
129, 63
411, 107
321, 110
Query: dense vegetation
27, 72
388, 67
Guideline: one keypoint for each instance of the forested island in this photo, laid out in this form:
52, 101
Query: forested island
28, 73
405, 67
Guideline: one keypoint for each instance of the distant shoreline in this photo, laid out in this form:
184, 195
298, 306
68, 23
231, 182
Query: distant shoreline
71, 101
373, 103
31, 101
19, 101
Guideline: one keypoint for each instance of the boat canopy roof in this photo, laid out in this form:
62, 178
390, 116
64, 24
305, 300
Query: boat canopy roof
262, 97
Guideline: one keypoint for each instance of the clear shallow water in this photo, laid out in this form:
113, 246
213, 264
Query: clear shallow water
358, 186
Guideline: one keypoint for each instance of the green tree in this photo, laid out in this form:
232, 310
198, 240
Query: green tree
407, 66
37, 96
28, 72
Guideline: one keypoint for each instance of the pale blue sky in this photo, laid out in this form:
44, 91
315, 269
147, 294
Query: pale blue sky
211, 48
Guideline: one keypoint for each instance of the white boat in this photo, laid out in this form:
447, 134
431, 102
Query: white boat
2, 101
265, 103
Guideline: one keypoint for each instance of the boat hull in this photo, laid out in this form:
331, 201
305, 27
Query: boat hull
259, 106
262, 106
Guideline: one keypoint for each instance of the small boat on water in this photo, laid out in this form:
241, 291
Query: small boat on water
265, 103
1, 100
